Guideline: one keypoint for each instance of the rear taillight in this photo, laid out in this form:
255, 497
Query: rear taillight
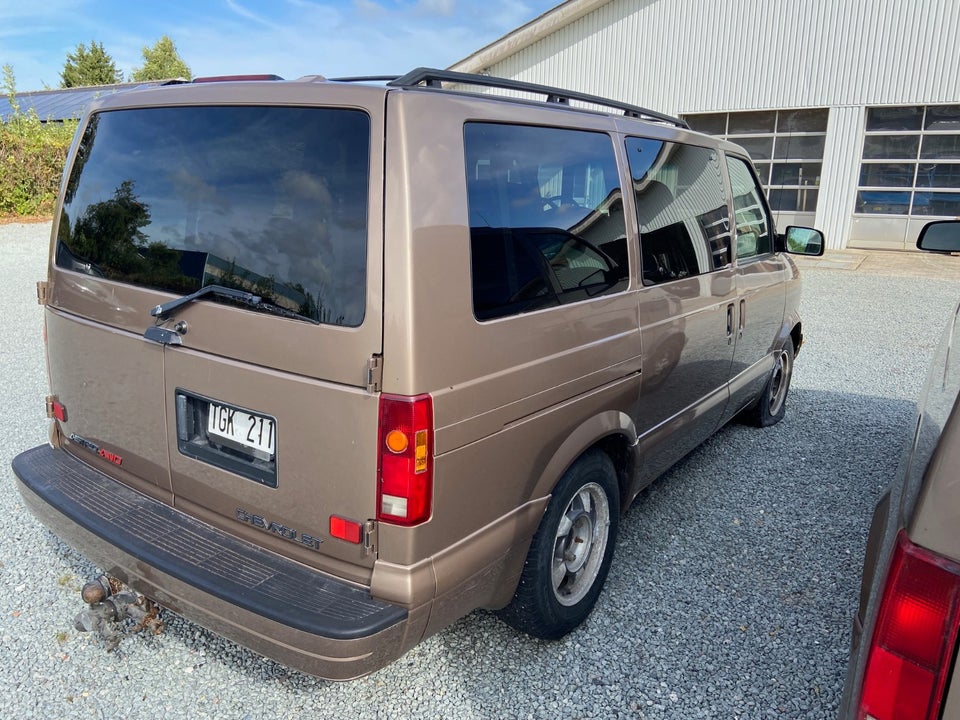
913, 642
405, 459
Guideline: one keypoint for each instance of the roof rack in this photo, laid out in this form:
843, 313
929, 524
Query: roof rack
432, 78
235, 78
365, 78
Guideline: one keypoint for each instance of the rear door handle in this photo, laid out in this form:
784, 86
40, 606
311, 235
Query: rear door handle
743, 317
730, 324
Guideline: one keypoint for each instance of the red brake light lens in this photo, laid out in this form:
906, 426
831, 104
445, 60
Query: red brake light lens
913, 643
405, 459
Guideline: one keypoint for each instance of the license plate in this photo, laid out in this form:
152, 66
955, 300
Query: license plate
254, 434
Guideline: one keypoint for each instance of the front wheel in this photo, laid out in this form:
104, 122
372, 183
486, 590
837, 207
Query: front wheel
571, 552
771, 406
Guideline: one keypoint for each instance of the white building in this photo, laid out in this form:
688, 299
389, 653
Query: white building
850, 108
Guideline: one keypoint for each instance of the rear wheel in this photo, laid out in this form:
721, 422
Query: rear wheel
771, 406
570, 555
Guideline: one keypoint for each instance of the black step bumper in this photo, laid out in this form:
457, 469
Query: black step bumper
269, 603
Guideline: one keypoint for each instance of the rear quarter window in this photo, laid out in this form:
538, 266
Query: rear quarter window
271, 200
546, 218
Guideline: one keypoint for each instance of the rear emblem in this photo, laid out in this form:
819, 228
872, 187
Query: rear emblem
94, 448
261, 523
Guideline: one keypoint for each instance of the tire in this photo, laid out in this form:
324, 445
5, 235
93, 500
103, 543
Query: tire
771, 406
570, 555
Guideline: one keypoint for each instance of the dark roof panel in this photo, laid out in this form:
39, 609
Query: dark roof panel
66, 104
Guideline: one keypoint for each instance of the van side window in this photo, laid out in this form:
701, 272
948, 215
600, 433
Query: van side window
750, 212
546, 218
681, 209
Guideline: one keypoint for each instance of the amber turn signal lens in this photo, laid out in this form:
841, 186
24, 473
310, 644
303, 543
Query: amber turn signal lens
396, 441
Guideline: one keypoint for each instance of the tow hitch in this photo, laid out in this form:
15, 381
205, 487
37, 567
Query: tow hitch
109, 605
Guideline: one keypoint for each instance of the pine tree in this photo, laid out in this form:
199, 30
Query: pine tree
162, 62
92, 66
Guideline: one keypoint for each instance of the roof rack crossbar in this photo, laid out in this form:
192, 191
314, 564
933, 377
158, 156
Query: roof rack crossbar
434, 78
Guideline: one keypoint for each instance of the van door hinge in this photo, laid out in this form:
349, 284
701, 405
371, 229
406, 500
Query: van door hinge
374, 373
370, 537
48, 402
42, 287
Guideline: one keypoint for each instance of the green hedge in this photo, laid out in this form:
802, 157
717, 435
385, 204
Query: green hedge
32, 156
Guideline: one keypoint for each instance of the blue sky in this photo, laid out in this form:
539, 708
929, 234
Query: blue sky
287, 37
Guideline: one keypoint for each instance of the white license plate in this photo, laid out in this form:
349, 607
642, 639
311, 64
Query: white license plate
254, 433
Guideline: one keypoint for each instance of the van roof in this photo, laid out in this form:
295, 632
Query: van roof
432, 78
421, 79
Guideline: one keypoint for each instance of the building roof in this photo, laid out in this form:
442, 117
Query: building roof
68, 103
549, 22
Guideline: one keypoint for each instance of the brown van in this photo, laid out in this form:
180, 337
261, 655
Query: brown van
334, 363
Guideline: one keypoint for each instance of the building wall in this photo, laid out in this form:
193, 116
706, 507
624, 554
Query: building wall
839, 180
694, 56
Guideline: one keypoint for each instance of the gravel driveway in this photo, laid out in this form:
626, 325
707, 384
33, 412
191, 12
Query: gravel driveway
731, 593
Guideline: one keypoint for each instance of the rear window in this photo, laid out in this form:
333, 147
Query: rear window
272, 200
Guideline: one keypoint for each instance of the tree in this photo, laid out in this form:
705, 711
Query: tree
92, 66
10, 88
162, 62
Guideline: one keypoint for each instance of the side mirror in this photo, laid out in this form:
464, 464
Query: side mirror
803, 241
940, 236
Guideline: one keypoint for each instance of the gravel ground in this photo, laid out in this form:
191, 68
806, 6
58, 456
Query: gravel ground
731, 594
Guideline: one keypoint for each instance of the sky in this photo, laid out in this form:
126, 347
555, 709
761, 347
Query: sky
290, 38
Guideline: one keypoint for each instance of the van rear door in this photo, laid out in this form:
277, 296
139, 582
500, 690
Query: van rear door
272, 211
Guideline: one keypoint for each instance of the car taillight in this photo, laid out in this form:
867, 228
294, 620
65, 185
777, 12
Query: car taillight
913, 642
405, 459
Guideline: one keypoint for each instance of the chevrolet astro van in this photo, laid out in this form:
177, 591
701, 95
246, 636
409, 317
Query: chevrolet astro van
335, 362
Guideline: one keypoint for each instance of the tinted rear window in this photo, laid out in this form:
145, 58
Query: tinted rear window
267, 199
546, 218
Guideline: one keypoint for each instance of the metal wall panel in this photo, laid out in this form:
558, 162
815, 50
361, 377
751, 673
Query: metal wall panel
684, 56
838, 180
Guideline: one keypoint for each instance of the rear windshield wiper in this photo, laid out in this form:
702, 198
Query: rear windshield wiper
255, 302
241, 296
272, 309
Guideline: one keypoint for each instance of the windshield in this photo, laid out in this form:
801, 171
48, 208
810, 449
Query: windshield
271, 200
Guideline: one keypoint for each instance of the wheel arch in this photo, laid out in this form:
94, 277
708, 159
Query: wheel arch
793, 328
613, 432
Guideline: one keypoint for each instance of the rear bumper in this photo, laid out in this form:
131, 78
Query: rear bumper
272, 605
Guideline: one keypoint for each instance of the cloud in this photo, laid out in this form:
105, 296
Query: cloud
369, 8
443, 8
249, 14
